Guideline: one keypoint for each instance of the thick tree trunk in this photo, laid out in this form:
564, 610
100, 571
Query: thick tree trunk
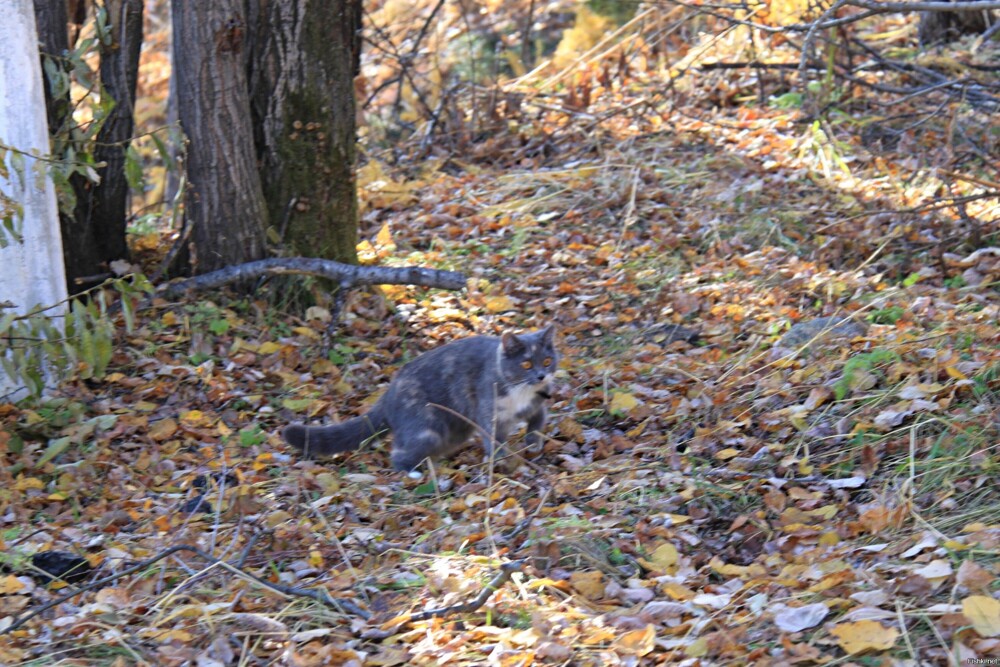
302, 92
224, 202
94, 233
80, 256
31, 271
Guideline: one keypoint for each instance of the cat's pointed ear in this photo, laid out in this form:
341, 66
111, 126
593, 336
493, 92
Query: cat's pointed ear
511, 344
548, 334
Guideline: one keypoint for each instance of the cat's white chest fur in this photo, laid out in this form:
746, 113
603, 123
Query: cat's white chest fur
516, 405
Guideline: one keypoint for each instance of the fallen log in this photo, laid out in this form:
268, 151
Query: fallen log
345, 275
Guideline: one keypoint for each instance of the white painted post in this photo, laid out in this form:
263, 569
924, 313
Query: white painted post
31, 271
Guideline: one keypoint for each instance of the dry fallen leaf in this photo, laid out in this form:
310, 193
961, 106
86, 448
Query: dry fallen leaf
983, 613
796, 619
867, 635
623, 402
973, 576
637, 642
588, 584
663, 559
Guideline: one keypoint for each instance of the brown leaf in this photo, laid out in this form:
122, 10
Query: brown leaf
588, 584
974, 577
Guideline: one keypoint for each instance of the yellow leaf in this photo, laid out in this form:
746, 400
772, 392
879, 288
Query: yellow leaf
676, 591
58, 495
984, 614
955, 373
366, 253
697, 648
328, 482
275, 519
861, 636
10, 584
25, 483
307, 332
182, 636
637, 642
499, 303
726, 454
623, 401
384, 242
194, 417
665, 557
163, 429
545, 583
269, 347
825, 512
316, 559
588, 584
728, 569
169, 318
396, 622
955, 545
829, 539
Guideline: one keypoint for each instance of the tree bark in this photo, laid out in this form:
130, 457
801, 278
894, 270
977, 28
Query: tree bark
31, 270
302, 92
108, 206
50, 18
94, 232
346, 276
224, 201
941, 26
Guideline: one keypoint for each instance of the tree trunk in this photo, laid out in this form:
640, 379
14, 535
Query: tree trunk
108, 206
302, 92
935, 27
31, 269
94, 232
50, 18
80, 257
224, 201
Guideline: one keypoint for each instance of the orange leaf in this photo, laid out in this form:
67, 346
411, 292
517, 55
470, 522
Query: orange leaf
637, 642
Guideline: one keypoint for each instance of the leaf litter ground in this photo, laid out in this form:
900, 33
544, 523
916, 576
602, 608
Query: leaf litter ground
774, 438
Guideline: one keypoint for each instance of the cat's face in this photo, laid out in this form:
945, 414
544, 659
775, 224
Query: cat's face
529, 358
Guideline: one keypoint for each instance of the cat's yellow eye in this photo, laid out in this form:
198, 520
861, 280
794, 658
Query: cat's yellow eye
526, 365
547, 362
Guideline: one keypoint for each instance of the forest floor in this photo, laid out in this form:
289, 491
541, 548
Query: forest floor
773, 440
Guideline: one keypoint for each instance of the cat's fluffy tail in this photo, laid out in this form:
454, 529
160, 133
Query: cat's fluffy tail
317, 441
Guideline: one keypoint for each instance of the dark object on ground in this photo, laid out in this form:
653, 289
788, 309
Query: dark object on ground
60, 565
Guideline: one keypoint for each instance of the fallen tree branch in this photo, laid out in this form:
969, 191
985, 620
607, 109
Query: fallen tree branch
346, 275
501, 578
962, 6
319, 595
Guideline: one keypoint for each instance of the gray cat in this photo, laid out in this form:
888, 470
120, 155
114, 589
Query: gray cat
483, 386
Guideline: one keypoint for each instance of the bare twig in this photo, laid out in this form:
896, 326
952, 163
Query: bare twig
319, 595
501, 578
